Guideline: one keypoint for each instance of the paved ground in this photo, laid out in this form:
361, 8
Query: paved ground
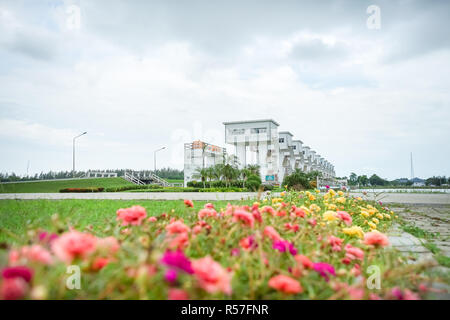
408, 198
209, 196
431, 219
441, 199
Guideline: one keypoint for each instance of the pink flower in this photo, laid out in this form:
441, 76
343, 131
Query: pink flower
355, 293
353, 253
244, 216
152, 219
13, 289
73, 244
344, 216
34, 253
211, 276
133, 215
180, 241
209, 206
189, 203
335, 242
299, 212
99, 263
376, 238
271, 233
304, 261
177, 259
177, 227
312, 222
324, 269
268, 209
248, 243
108, 245
22, 272
283, 246
405, 295
285, 284
177, 294
207, 212
235, 252
47, 237
292, 227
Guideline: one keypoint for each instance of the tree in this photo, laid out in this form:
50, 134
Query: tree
363, 180
202, 174
353, 179
376, 180
298, 180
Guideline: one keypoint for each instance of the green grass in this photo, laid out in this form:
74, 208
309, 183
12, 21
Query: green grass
55, 186
175, 180
18, 216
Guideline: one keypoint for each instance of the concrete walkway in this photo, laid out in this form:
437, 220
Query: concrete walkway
407, 198
207, 196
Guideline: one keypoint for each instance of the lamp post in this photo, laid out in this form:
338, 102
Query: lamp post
73, 153
154, 153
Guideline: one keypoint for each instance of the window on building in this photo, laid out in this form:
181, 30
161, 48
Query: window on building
294, 147
281, 140
238, 131
259, 130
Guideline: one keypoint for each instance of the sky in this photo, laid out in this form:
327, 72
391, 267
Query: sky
363, 87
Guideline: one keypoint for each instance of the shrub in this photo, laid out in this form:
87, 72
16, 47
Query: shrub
297, 180
253, 182
81, 190
133, 187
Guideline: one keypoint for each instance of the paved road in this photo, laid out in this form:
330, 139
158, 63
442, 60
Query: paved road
409, 198
209, 196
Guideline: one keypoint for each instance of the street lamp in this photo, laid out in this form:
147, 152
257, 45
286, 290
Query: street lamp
73, 152
154, 153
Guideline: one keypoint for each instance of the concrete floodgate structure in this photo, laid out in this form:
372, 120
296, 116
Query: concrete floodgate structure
258, 142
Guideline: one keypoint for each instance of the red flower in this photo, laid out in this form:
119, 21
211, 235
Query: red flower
133, 215
285, 284
189, 203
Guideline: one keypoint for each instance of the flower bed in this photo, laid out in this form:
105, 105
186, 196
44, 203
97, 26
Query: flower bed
299, 246
81, 190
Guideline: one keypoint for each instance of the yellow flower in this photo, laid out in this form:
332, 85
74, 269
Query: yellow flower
330, 216
354, 231
332, 207
340, 193
341, 200
375, 220
317, 191
314, 208
387, 216
392, 212
265, 200
332, 192
283, 194
364, 213
359, 198
311, 197
372, 225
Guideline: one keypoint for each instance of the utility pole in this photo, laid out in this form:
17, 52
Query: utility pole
73, 153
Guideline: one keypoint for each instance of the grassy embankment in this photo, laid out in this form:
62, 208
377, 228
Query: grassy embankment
55, 186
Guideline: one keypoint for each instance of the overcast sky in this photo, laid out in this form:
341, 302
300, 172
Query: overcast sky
139, 75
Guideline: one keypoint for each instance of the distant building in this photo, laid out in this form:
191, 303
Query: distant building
259, 142
417, 182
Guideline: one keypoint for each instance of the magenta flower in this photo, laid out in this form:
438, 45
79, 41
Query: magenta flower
177, 259
283, 246
17, 272
324, 269
171, 276
235, 252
